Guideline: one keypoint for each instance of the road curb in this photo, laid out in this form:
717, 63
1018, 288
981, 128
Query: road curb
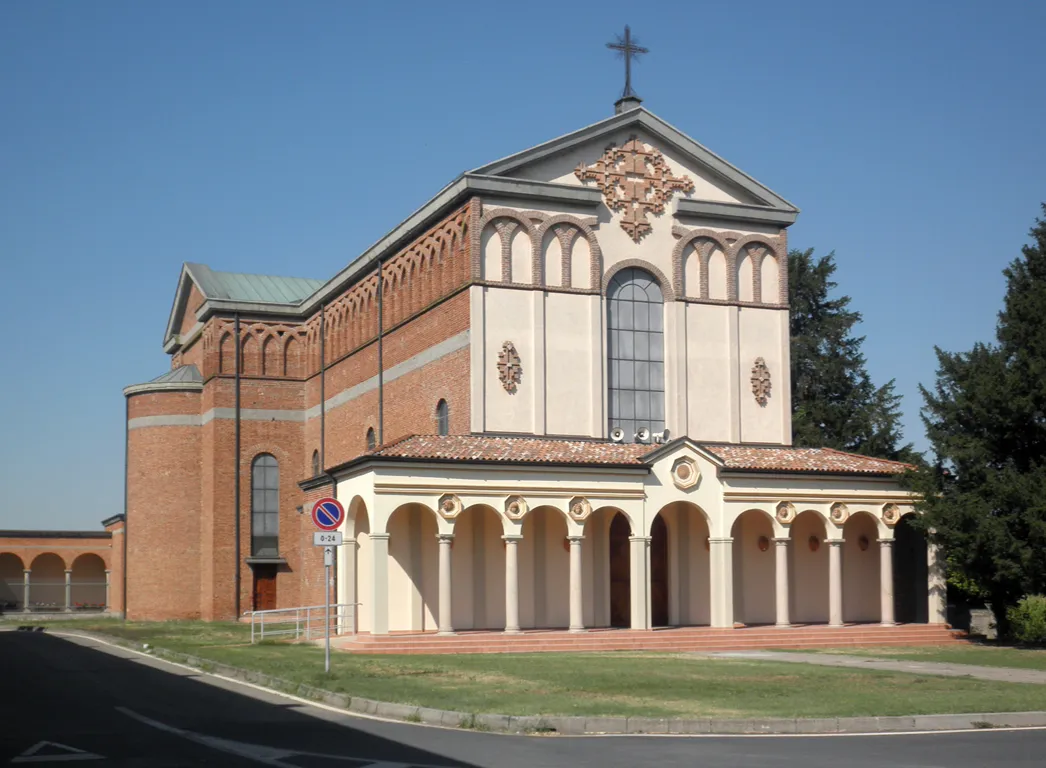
592, 726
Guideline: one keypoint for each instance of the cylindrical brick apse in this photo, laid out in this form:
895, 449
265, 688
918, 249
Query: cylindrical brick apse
164, 496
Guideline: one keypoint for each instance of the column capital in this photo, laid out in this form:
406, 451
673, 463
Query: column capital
782, 541
69, 571
886, 542
512, 538
720, 540
27, 571
575, 539
379, 537
108, 571
639, 538
445, 536
835, 542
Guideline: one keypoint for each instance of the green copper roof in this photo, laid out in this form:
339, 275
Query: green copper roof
235, 286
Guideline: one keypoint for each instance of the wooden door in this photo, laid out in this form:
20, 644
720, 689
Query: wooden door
659, 573
264, 587
620, 573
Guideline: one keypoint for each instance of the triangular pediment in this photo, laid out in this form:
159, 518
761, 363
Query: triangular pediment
708, 177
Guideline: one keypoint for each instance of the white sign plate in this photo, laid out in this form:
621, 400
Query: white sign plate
328, 557
326, 539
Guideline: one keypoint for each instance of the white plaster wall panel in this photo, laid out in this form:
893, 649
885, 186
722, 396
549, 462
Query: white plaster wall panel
429, 570
509, 316
769, 279
709, 359
364, 560
553, 259
809, 576
662, 492
745, 287
527, 576
478, 570
581, 263
759, 334
860, 570
401, 586
491, 247
570, 389
462, 574
717, 275
493, 572
754, 589
688, 573
521, 255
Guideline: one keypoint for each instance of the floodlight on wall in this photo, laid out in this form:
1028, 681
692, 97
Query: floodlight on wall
617, 435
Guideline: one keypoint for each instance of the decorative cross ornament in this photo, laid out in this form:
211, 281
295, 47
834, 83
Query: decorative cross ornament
635, 179
510, 371
761, 381
628, 50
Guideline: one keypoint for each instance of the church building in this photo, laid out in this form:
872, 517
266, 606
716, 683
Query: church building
555, 396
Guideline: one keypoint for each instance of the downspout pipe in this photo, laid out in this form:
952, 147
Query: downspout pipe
381, 364
126, 471
236, 475
323, 387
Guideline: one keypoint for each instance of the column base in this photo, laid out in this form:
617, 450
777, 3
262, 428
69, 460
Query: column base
446, 633
837, 624
783, 626
887, 623
512, 631
577, 629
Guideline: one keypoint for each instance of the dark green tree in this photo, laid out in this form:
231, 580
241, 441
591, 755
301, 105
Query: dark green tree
834, 402
985, 501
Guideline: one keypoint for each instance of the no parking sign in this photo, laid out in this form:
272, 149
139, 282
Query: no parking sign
328, 514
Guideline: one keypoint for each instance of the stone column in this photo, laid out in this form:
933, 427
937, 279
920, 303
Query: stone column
25, 589
721, 565
835, 582
577, 620
107, 589
639, 581
512, 583
781, 580
446, 623
937, 609
886, 582
68, 591
379, 584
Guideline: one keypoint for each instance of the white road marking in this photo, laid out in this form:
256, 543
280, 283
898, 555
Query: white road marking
347, 713
260, 752
71, 753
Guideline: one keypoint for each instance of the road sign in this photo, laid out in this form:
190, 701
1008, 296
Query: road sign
328, 556
326, 539
328, 514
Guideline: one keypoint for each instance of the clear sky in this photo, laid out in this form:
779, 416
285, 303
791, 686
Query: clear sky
285, 138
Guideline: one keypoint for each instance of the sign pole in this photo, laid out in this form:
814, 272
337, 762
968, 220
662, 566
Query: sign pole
327, 619
328, 514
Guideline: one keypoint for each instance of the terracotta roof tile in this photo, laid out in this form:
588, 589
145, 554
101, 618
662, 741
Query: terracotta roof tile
537, 450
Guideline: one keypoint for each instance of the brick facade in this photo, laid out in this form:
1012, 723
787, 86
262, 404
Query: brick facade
182, 442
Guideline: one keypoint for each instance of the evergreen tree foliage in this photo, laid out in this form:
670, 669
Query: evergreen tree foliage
985, 501
834, 402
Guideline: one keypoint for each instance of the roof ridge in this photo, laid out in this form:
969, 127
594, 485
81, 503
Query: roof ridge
865, 456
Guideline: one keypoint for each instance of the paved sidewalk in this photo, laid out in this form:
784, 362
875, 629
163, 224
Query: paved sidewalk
1001, 674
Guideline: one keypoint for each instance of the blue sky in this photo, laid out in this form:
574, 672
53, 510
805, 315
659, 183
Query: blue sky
287, 137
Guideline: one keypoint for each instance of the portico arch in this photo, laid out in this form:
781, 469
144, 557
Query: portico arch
861, 569
753, 555
607, 570
359, 567
413, 595
12, 584
910, 573
477, 569
544, 565
47, 582
87, 582
680, 591
809, 569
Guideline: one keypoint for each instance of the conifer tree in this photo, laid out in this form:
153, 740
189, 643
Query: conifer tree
985, 501
834, 402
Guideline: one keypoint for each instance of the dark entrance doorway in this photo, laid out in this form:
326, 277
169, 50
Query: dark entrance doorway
620, 572
659, 573
264, 587
910, 590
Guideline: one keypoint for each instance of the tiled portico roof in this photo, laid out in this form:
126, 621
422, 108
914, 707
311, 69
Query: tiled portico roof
536, 450
772, 458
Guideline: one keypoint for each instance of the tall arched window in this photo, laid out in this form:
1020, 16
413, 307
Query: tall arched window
371, 440
265, 506
442, 418
315, 463
635, 352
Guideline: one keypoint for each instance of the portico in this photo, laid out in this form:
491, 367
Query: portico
601, 535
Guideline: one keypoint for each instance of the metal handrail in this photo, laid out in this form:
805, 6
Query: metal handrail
304, 621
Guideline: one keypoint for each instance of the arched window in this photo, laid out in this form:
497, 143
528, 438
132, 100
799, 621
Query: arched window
265, 506
315, 463
635, 352
442, 418
371, 440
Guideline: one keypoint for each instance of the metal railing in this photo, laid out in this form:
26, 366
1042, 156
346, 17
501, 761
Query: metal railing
305, 623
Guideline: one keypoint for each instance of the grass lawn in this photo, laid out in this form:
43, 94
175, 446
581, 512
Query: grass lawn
982, 654
639, 684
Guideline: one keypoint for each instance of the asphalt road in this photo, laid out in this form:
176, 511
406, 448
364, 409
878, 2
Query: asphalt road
79, 701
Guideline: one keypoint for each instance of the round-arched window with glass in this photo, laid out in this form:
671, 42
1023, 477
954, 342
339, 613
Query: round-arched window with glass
635, 352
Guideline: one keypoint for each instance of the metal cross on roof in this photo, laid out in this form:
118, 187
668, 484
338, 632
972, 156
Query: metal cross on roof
627, 48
